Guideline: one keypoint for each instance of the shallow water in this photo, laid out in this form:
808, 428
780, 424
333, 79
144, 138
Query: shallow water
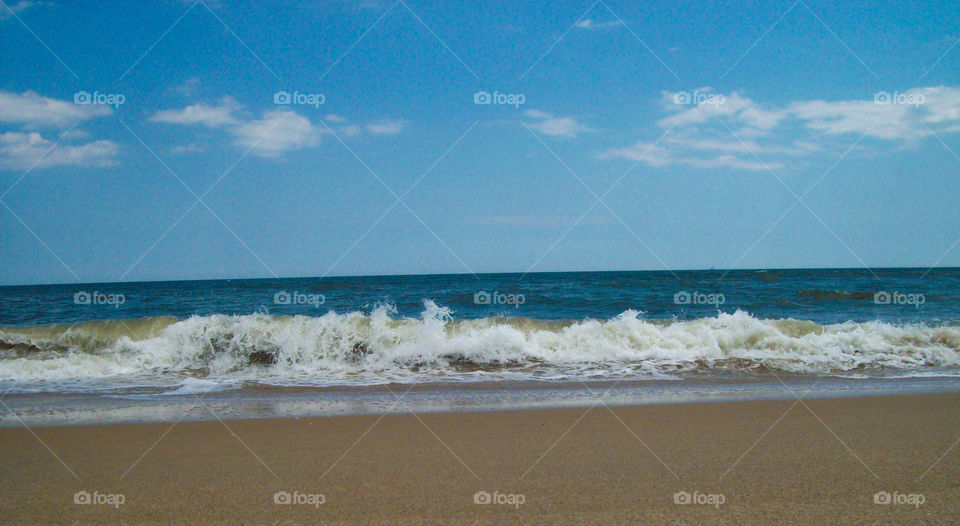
58, 409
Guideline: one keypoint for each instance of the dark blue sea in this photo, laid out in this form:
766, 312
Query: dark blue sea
823, 296
87, 353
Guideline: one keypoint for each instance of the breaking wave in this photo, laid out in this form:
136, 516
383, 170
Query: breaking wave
355, 348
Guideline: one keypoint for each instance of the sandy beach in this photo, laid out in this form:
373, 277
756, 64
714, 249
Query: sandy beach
821, 461
471, 263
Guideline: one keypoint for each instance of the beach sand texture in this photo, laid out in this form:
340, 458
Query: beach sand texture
770, 462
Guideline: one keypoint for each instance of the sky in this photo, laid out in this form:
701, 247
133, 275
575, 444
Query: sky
219, 139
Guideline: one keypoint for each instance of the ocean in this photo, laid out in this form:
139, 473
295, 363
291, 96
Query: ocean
689, 332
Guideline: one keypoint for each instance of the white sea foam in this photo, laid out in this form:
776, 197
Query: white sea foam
356, 348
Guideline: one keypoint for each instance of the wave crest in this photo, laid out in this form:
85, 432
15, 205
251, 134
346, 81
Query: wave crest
357, 348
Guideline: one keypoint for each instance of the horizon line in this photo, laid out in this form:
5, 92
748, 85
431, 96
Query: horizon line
478, 274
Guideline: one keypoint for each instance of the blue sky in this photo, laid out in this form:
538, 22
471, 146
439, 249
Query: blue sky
143, 141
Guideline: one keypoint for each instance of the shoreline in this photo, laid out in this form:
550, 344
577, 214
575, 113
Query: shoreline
815, 461
53, 409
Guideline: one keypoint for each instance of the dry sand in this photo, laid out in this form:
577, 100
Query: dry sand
771, 462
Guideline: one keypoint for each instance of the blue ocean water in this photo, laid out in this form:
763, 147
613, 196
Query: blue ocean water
184, 337
820, 295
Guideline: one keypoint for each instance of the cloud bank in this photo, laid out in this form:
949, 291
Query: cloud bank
711, 130
36, 115
275, 132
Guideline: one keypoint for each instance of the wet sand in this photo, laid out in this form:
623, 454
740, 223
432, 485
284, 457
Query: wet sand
819, 461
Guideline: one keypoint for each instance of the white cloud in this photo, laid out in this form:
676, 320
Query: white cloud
187, 149
591, 24
75, 134
277, 132
660, 155
188, 88
760, 119
942, 105
735, 144
33, 110
210, 116
386, 127
936, 109
935, 106
715, 105
711, 130
648, 152
730, 161
350, 130
23, 150
17, 8
553, 126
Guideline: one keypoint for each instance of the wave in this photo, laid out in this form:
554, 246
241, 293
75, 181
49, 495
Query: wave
355, 348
